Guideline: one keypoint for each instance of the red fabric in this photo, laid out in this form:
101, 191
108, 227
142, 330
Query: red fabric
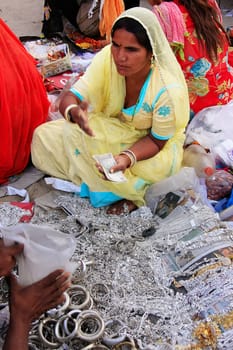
209, 83
27, 207
230, 58
23, 103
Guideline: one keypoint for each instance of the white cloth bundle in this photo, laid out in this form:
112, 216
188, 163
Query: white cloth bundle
45, 250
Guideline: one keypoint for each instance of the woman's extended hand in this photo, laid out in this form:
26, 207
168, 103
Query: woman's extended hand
80, 116
7, 257
28, 303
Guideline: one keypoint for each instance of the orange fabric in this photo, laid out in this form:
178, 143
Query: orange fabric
23, 103
110, 11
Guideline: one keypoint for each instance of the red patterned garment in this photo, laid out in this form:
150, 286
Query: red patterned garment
23, 103
209, 82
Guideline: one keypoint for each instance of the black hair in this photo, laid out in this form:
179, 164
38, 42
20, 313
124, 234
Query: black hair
134, 27
208, 28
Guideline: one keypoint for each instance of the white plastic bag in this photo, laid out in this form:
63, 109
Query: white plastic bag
185, 179
211, 126
45, 250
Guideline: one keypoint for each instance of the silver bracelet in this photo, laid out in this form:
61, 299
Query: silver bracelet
67, 115
131, 155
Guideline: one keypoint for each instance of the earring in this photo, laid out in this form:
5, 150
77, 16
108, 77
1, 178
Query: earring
152, 61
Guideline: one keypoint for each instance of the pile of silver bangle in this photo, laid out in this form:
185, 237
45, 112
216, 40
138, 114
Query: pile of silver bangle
75, 325
121, 296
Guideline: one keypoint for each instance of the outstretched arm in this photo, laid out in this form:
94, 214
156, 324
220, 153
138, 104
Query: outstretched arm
77, 111
28, 303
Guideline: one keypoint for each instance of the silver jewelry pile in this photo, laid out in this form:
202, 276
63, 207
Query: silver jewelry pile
131, 292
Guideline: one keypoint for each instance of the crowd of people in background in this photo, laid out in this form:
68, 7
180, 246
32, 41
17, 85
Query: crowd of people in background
92, 18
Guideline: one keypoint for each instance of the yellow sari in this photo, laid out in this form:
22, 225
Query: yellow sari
63, 150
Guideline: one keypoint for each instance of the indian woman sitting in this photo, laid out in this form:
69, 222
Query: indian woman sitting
132, 101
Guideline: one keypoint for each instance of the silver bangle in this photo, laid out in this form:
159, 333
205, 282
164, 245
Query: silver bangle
131, 155
71, 314
65, 305
95, 347
67, 335
100, 292
67, 116
114, 339
42, 326
93, 317
78, 292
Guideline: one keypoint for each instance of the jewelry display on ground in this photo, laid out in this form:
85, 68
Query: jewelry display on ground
171, 290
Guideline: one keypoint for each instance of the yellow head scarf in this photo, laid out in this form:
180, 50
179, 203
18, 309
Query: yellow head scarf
162, 52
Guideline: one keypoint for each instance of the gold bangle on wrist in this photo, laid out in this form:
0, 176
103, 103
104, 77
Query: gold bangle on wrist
67, 115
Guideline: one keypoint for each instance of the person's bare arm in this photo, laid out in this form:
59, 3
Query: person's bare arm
78, 114
147, 147
28, 303
143, 149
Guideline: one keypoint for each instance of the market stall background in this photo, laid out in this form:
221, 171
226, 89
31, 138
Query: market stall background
25, 17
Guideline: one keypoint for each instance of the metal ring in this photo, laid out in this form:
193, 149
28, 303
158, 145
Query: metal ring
114, 339
73, 314
58, 311
34, 342
43, 323
77, 290
69, 335
123, 344
88, 316
91, 303
129, 342
80, 270
95, 347
99, 289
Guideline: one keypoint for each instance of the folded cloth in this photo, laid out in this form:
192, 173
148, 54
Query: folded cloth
172, 23
109, 11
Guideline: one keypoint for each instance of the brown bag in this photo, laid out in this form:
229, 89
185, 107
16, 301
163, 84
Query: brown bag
88, 26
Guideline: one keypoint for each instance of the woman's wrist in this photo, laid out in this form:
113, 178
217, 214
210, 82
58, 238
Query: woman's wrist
126, 157
67, 112
131, 156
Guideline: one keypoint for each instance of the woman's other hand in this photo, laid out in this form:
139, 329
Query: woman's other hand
80, 116
7, 257
78, 111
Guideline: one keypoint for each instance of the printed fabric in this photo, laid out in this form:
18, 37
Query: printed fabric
172, 22
210, 83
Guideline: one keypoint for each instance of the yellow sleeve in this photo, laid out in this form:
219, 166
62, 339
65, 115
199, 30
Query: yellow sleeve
164, 120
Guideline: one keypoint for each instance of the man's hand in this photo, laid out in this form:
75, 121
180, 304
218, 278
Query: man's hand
28, 303
7, 257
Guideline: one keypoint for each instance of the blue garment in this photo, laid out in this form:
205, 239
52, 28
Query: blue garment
98, 199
